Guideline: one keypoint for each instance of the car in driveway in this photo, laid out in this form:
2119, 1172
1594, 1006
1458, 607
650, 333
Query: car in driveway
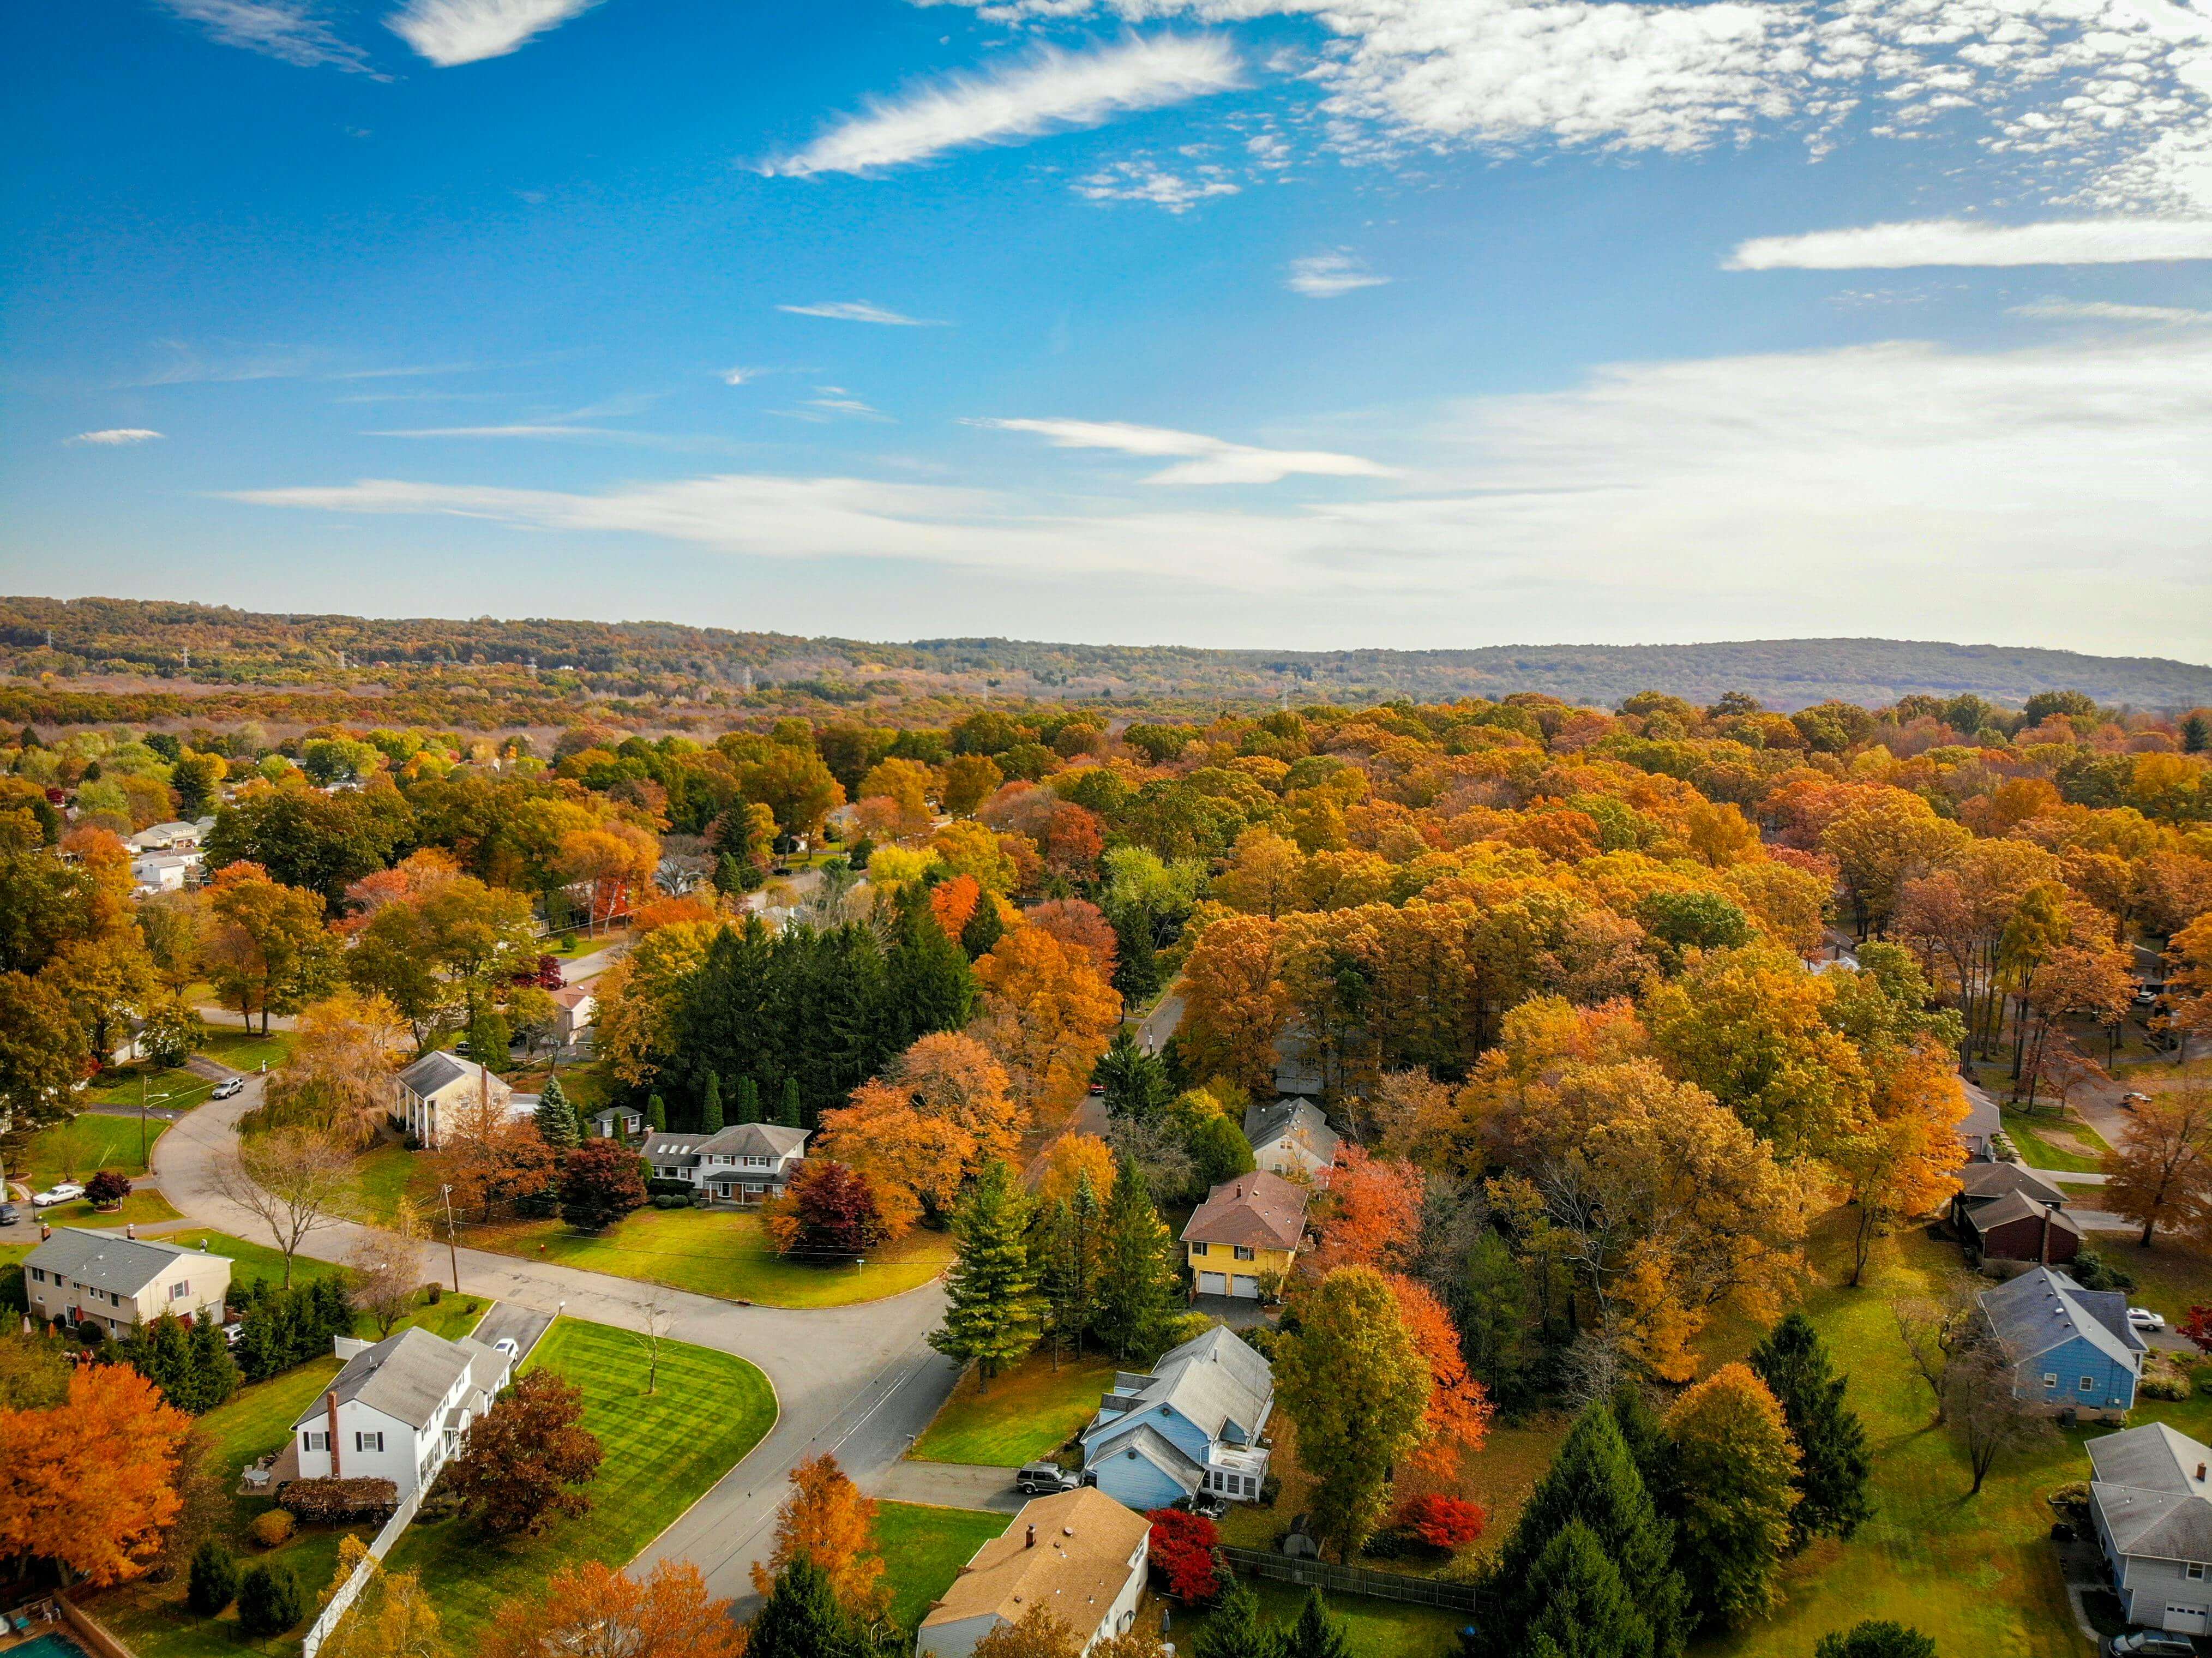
507, 1344
229, 1087
1044, 1479
67, 1192
10, 1215
2151, 1643
2141, 1318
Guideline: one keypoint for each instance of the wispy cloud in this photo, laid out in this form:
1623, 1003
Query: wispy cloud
115, 435
288, 30
1211, 460
741, 375
1325, 275
1146, 181
2107, 311
1051, 91
1967, 242
859, 311
516, 431
453, 31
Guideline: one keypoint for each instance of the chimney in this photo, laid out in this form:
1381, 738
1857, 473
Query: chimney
2045, 1255
1029, 1542
2200, 1471
331, 1415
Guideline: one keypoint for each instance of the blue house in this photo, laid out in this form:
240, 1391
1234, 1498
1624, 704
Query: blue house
2070, 1348
1193, 1423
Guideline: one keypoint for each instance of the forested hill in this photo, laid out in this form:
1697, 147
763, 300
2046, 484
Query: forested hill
211, 643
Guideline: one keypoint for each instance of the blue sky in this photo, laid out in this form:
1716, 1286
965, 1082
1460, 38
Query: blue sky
1250, 322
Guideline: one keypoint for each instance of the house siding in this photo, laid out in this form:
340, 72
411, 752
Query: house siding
1267, 1266
2070, 1362
1136, 1482
2022, 1240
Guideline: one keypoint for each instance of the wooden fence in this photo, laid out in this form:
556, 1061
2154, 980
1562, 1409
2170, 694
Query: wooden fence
1356, 1580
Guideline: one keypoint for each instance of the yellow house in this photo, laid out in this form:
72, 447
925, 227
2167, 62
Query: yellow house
1245, 1236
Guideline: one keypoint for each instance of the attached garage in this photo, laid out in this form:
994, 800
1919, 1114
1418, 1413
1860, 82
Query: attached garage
1249, 1288
1213, 1284
2185, 1620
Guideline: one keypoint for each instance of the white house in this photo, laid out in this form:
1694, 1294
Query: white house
2153, 1513
170, 837
440, 1087
163, 871
1290, 1137
120, 1282
1194, 1422
625, 1120
1078, 1556
577, 1006
745, 1162
398, 1409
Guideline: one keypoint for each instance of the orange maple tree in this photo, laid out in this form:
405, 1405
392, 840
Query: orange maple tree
1047, 1012
953, 903
1457, 1417
1371, 1216
588, 1610
826, 1519
91, 1485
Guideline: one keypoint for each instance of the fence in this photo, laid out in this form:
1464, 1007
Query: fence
1354, 1580
349, 1591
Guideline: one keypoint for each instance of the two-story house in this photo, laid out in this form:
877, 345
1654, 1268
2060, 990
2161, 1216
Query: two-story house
1193, 1423
399, 1410
2152, 1509
1243, 1237
119, 1283
439, 1088
2070, 1348
1078, 1557
1290, 1137
745, 1162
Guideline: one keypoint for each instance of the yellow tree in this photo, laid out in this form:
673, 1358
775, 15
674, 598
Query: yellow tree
390, 1616
1900, 1162
1883, 840
1046, 1014
1072, 1157
338, 1075
1236, 1003
1735, 1467
267, 950
633, 1028
1265, 875
2160, 1173
827, 1520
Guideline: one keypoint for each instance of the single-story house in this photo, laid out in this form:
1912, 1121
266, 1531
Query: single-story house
441, 1086
1291, 1136
1983, 1122
2020, 1227
1078, 1556
625, 1121
119, 1283
2153, 1513
745, 1162
576, 1004
163, 871
398, 1409
1194, 1423
1243, 1237
2070, 1348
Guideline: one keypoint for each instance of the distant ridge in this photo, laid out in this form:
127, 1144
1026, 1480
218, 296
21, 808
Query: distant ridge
241, 647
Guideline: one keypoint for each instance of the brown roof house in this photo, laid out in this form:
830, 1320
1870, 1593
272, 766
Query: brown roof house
2004, 1211
1242, 1239
1078, 1556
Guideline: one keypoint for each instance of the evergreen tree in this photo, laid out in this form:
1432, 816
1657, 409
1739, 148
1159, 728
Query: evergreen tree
929, 979
1068, 1266
983, 930
1236, 1629
1582, 1608
213, 1584
1876, 1637
992, 1309
1137, 1083
1136, 1282
1649, 1448
749, 1109
801, 1618
269, 1601
656, 1114
2195, 734
1592, 1480
215, 1375
1831, 1482
556, 1118
1736, 1470
1494, 1320
787, 1113
710, 1106
1316, 1634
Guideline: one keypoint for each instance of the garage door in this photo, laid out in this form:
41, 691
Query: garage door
1212, 1284
2185, 1620
1247, 1287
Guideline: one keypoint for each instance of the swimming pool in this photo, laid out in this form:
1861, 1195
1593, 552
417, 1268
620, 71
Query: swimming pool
48, 1646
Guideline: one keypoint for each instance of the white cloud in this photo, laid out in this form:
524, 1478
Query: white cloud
1325, 275
859, 311
287, 30
1964, 242
741, 376
516, 431
116, 435
1211, 460
1146, 181
453, 31
2107, 311
1051, 91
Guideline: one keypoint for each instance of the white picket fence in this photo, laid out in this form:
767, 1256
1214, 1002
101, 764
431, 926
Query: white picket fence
349, 1591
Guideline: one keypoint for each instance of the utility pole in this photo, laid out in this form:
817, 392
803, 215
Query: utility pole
141, 1115
453, 1250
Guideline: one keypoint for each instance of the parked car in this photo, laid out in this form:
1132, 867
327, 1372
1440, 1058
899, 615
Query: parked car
1044, 1479
2151, 1643
10, 1215
507, 1344
67, 1192
233, 1332
2141, 1318
229, 1087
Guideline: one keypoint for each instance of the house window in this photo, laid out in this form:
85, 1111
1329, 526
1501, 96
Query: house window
1198, 1248
2089, 1384
37, 1275
368, 1442
1243, 1252
2195, 1571
2050, 1378
180, 1289
755, 1163
314, 1441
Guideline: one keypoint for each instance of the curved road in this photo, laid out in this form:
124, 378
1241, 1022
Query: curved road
858, 1381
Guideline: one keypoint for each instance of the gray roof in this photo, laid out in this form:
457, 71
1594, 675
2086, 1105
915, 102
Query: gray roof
1980, 1181
2150, 1488
1983, 1117
1276, 1119
434, 1071
1212, 1382
1156, 1448
2042, 1309
755, 1139
407, 1377
108, 1260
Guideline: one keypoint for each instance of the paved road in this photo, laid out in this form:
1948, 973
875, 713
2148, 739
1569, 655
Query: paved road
590, 967
952, 1485
1160, 1023
858, 1381
519, 1324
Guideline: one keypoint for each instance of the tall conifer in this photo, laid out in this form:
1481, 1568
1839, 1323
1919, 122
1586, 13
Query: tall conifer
992, 1308
1136, 1281
1832, 1482
710, 1106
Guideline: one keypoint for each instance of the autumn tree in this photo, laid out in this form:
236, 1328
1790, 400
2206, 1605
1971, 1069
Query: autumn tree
1735, 1470
992, 1312
601, 1182
490, 1158
338, 1074
828, 1209
1898, 1162
588, 1610
826, 1520
1048, 1011
525, 1457
267, 949
294, 1181
942, 1111
1038, 1633
1072, 1159
385, 1266
1235, 1005
2160, 1173
42, 1052
1456, 1419
391, 1615
89, 1486
1982, 1403
1370, 1213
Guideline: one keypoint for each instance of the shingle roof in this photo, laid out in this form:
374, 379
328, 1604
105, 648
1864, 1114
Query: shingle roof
1154, 1446
2018, 1206
1983, 1117
1214, 1381
108, 1261
406, 1376
756, 1139
569, 995
1077, 1568
2042, 1309
2150, 1490
1996, 1180
1297, 1119
2153, 1458
434, 1071
1258, 1211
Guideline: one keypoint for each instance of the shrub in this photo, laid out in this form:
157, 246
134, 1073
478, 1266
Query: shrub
2091, 1270
660, 1187
2071, 1499
269, 1601
669, 1200
1442, 1522
213, 1584
1183, 1550
1389, 1544
272, 1528
2164, 1383
107, 1188
328, 1501
91, 1332
14, 1297
1271, 1487
433, 1292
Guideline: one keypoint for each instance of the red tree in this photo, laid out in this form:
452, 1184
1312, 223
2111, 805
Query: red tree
601, 1182
1443, 1522
830, 1208
1182, 1549
2198, 1328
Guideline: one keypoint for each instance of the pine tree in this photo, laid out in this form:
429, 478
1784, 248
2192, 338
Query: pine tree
748, 1109
213, 1584
656, 1114
1594, 1480
2195, 734
1583, 1609
1876, 1637
801, 1618
710, 1106
1235, 1630
214, 1376
556, 1118
787, 1113
992, 1309
1736, 1468
269, 1601
1832, 1484
1316, 1634
1068, 1266
1136, 1281
983, 930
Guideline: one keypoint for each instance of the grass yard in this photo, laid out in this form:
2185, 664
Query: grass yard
254, 1263
1024, 1414
243, 1050
720, 1252
2041, 1151
171, 1089
83, 1146
924, 1548
1374, 1629
388, 1170
143, 1207
663, 1452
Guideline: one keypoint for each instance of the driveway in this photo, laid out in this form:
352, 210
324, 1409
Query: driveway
519, 1324
858, 1381
949, 1486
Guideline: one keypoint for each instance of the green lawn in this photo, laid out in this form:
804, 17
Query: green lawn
83, 1146
2041, 1152
923, 1550
171, 1089
1373, 1629
386, 1170
663, 1452
720, 1252
145, 1207
253, 1263
1026, 1413
246, 1050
